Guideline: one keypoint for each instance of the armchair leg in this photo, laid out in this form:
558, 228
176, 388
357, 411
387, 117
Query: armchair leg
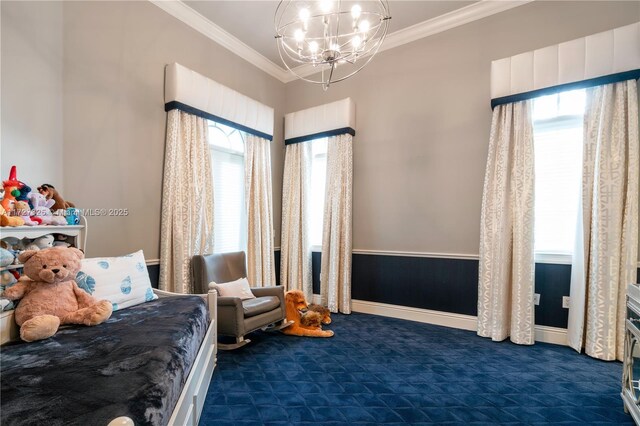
240, 342
277, 327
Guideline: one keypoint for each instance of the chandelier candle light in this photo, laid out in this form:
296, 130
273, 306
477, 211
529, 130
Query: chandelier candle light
326, 41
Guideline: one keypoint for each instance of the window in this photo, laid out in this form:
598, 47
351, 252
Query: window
229, 210
318, 181
557, 134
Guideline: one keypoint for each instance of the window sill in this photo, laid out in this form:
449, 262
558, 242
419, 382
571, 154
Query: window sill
553, 258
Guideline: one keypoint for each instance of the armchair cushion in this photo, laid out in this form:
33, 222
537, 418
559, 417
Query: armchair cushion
259, 305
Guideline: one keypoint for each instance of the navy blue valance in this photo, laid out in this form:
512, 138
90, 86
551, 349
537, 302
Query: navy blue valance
195, 111
326, 134
598, 81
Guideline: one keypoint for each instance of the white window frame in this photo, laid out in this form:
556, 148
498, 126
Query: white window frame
217, 148
557, 123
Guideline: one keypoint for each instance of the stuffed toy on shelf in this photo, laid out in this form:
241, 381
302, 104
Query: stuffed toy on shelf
42, 210
51, 193
11, 188
22, 210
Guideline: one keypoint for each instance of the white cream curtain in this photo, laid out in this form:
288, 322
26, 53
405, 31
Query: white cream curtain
295, 251
335, 276
187, 200
506, 270
260, 261
606, 253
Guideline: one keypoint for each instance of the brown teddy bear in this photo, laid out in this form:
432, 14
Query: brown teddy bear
51, 297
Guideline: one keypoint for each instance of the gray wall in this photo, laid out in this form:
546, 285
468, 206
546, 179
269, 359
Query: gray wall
31, 118
423, 119
114, 119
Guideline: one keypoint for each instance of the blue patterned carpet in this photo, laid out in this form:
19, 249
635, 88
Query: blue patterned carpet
378, 370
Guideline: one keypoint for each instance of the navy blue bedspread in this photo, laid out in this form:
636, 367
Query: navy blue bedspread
133, 365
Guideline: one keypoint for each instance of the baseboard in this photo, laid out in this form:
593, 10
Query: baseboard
446, 319
557, 336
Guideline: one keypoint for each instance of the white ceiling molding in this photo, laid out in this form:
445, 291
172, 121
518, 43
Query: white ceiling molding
456, 18
198, 22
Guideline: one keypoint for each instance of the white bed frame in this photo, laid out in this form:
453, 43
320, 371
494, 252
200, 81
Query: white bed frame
191, 401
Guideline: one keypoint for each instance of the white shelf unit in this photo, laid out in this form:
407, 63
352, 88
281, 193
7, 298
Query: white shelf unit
78, 232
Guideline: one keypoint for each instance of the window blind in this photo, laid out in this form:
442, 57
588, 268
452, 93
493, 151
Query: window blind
229, 210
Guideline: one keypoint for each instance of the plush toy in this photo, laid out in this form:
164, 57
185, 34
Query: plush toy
23, 211
6, 257
5, 219
294, 303
51, 297
24, 190
61, 241
51, 192
12, 243
11, 189
41, 243
42, 211
310, 318
7, 280
324, 313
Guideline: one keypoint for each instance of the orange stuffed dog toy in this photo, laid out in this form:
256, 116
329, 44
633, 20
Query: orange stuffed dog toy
295, 302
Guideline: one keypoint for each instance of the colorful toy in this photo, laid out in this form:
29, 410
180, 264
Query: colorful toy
51, 192
24, 190
22, 210
11, 189
41, 210
52, 298
6, 218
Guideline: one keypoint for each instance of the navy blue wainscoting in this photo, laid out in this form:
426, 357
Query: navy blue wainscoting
276, 264
446, 285
154, 274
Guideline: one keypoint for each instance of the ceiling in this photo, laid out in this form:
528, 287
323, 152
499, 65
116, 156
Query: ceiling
252, 21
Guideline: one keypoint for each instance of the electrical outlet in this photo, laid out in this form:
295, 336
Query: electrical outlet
565, 302
536, 299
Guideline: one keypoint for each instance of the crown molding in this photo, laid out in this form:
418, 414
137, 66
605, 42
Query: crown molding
198, 22
453, 19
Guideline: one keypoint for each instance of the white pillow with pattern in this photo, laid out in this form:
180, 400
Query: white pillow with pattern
123, 281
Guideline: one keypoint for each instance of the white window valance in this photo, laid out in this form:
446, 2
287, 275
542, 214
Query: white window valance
325, 120
192, 92
601, 58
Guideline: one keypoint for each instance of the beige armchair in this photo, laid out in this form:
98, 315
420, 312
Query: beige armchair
236, 317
